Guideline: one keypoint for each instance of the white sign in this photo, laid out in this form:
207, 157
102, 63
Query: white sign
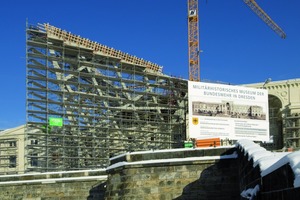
228, 112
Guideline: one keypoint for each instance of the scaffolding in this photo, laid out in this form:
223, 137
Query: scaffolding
109, 102
8, 155
292, 131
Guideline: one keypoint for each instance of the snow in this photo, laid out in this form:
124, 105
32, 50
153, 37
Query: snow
256, 151
268, 163
246, 144
51, 173
54, 180
248, 149
166, 150
250, 193
297, 181
293, 159
121, 164
271, 161
258, 155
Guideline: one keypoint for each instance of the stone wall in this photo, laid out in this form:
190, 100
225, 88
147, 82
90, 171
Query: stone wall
191, 174
80, 185
82, 190
212, 173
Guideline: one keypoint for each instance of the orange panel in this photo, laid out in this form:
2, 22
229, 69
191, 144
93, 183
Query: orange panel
209, 142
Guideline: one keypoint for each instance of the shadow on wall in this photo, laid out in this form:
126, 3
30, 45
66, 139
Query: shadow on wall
97, 192
219, 181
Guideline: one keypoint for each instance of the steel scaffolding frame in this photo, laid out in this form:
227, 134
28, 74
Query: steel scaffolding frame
110, 102
292, 131
8, 155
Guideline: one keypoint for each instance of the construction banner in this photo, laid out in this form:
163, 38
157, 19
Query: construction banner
228, 112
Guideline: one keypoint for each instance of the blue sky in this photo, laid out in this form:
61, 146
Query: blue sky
238, 48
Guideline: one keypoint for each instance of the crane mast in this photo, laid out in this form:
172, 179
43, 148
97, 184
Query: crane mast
193, 41
260, 13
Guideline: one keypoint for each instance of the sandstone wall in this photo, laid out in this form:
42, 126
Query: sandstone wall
88, 185
207, 178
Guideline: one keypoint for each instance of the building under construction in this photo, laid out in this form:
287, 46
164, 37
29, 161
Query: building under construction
87, 102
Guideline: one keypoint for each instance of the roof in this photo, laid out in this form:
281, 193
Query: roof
13, 131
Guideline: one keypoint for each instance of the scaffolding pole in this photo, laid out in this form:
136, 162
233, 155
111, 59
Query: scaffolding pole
107, 102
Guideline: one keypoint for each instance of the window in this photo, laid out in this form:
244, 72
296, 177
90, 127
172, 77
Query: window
12, 161
34, 160
34, 141
130, 139
12, 143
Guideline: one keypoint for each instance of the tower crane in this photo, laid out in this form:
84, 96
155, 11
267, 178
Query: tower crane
193, 33
193, 41
260, 13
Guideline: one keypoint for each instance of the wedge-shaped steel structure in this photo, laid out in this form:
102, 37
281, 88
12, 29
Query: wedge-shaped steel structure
87, 102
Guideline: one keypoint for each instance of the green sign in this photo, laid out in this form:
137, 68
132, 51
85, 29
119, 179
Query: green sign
53, 121
188, 144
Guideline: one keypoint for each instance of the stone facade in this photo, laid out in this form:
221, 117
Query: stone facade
284, 112
12, 150
288, 91
79, 185
202, 174
163, 176
82, 190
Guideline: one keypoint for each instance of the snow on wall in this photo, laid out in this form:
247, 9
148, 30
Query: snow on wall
270, 161
250, 193
173, 160
166, 151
